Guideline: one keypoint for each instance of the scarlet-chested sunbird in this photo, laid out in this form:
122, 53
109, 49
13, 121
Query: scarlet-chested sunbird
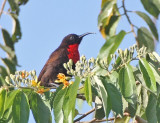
68, 49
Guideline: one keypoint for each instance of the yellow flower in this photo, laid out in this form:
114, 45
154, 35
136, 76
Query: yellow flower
62, 78
71, 82
34, 83
66, 84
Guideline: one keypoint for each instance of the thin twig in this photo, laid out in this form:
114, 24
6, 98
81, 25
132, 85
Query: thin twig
137, 118
78, 119
91, 121
109, 119
132, 26
3, 4
81, 96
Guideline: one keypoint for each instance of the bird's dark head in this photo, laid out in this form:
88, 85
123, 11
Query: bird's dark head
73, 39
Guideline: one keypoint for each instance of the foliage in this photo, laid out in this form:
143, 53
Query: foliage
10, 62
125, 83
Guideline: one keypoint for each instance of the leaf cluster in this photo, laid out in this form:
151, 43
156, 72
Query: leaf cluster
9, 40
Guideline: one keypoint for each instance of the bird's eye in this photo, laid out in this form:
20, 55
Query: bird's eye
71, 38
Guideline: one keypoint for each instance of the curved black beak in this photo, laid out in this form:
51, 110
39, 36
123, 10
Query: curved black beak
81, 36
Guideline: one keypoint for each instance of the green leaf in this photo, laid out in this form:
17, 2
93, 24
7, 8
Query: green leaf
2, 81
65, 106
106, 11
103, 94
40, 110
156, 3
111, 46
14, 6
145, 38
114, 78
148, 75
70, 100
20, 108
127, 84
8, 50
88, 90
99, 111
156, 55
21, 2
109, 24
10, 98
158, 109
7, 116
3, 97
73, 93
58, 104
144, 97
103, 3
155, 72
151, 7
132, 109
3, 71
7, 39
10, 65
150, 23
54, 95
16, 34
114, 96
151, 109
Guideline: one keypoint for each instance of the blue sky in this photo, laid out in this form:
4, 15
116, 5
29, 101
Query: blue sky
44, 23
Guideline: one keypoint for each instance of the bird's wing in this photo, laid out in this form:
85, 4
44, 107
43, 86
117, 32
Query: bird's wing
53, 66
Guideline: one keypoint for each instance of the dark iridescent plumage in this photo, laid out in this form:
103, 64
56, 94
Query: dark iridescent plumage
61, 55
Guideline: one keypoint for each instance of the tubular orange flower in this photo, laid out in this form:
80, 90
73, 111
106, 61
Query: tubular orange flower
24, 75
66, 84
42, 90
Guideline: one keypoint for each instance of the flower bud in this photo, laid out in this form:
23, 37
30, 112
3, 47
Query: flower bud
69, 73
13, 77
65, 66
17, 73
7, 79
33, 72
68, 78
70, 62
97, 61
126, 52
83, 58
18, 78
72, 71
112, 56
23, 80
92, 60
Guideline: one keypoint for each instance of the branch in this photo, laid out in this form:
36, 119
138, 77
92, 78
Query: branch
81, 96
78, 119
109, 119
137, 118
132, 26
3, 4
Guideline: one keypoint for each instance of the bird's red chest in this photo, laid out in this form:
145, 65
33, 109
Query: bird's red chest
73, 52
